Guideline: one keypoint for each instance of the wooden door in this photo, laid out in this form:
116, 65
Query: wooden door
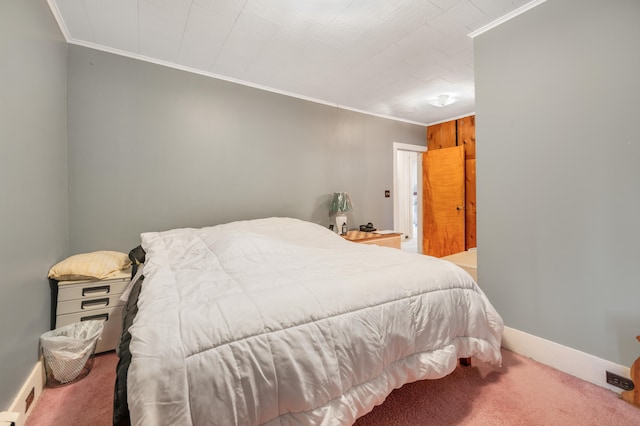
443, 181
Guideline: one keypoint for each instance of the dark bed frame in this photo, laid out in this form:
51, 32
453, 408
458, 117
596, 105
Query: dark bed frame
130, 309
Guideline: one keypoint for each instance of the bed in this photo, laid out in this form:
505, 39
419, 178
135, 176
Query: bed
279, 321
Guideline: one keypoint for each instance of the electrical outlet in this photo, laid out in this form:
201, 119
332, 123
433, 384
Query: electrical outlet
619, 381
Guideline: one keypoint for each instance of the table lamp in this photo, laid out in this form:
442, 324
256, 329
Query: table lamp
340, 204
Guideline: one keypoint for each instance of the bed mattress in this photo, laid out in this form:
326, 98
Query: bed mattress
279, 322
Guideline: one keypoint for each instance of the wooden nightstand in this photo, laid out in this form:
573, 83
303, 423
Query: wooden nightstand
385, 240
76, 301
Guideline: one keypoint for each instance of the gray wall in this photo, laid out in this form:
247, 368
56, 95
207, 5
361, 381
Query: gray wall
153, 148
33, 181
559, 173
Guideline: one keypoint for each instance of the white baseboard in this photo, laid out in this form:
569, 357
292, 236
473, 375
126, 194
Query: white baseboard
571, 361
36, 382
8, 418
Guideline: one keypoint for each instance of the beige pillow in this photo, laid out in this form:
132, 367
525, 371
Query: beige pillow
95, 265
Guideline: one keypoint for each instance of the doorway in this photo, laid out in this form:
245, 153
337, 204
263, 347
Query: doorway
407, 194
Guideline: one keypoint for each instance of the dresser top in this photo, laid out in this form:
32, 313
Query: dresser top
368, 236
465, 258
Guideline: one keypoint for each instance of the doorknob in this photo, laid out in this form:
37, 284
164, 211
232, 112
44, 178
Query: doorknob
459, 208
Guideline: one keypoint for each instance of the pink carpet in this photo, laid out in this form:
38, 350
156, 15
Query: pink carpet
521, 393
88, 401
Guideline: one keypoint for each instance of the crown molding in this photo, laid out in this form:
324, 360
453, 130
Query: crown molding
58, 17
509, 16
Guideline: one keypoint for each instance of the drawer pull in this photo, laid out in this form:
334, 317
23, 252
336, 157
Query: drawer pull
93, 290
93, 303
95, 317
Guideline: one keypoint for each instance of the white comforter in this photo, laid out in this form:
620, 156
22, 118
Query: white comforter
282, 322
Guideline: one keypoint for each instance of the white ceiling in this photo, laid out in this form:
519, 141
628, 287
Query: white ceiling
383, 57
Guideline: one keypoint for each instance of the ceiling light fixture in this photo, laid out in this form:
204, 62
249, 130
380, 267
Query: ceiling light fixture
442, 101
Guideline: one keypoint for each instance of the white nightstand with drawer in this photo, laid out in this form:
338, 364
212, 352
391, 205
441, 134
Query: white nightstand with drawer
76, 301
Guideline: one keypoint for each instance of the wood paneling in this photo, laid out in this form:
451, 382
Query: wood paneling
470, 204
467, 136
441, 135
443, 201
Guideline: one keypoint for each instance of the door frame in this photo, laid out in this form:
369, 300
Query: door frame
397, 146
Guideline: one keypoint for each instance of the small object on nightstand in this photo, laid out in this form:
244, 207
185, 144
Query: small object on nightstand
344, 228
340, 205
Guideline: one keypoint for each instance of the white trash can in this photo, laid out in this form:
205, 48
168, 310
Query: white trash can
69, 351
